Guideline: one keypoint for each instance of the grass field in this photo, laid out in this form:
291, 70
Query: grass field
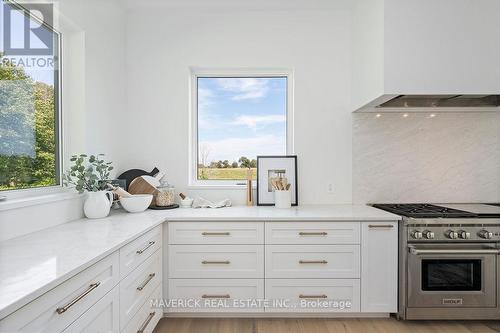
225, 174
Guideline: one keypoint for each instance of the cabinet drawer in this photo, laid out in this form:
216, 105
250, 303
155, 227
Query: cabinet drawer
55, 310
312, 233
147, 316
216, 233
313, 295
312, 261
137, 286
134, 253
102, 317
216, 295
216, 261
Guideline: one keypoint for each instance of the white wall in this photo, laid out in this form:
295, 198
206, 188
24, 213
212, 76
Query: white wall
162, 45
451, 157
93, 96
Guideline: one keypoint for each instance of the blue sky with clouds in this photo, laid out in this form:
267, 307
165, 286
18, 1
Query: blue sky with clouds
241, 117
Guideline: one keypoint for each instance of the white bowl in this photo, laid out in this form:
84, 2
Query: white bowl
186, 203
136, 203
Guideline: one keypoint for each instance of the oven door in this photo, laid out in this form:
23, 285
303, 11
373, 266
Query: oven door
452, 275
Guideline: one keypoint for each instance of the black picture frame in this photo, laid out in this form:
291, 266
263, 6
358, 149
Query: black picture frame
296, 186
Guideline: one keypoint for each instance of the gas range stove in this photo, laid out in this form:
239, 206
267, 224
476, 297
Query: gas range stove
448, 222
449, 260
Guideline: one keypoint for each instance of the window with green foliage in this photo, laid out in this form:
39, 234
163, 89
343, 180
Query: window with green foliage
29, 111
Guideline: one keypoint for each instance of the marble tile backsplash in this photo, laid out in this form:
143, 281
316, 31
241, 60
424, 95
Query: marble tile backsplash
425, 157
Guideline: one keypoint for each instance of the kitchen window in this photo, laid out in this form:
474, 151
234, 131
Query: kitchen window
29, 101
236, 117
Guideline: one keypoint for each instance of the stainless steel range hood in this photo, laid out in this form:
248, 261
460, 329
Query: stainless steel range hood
442, 101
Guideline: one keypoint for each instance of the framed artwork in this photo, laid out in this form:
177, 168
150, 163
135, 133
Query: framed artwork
269, 167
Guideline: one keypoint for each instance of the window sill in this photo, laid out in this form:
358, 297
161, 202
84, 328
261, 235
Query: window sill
16, 203
219, 187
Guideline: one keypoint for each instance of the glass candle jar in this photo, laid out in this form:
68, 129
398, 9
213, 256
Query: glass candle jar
165, 195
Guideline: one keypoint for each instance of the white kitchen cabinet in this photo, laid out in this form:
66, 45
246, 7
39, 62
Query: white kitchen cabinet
379, 266
217, 295
135, 252
312, 261
216, 261
138, 285
102, 317
57, 309
213, 232
313, 295
313, 233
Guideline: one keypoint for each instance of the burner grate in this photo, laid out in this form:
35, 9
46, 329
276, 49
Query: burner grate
419, 210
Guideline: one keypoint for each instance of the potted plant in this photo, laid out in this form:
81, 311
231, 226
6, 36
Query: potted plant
90, 174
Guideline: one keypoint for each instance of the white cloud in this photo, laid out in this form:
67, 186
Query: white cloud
254, 121
232, 149
245, 88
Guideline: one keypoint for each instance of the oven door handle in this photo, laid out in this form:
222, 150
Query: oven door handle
453, 251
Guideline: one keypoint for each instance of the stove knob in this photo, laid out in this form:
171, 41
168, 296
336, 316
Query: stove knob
428, 234
416, 234
452, 234
464, 234
485, 234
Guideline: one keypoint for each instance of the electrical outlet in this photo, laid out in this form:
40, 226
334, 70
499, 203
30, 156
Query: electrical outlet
330, 188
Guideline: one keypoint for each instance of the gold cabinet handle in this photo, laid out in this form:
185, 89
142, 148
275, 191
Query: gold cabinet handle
206, 233
147, 247
313, 262
313, 296
381, 226
149, 278
222, 262
303, 233
216, 296
65, 308
146, 322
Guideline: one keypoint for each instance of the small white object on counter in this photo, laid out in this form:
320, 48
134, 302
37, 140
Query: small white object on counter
97, 204
204, 203
186, 202
136, 203
283, 198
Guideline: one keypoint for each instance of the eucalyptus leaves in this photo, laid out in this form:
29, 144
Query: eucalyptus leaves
88, 173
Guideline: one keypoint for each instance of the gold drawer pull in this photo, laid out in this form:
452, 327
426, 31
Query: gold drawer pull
149, 278
223, 262
146, 322
216, 296
226, 233
65, 308
312, 296
313, 262
375, 226
303, 233
147, 247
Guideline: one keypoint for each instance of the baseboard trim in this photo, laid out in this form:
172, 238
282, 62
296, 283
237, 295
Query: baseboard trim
272, 315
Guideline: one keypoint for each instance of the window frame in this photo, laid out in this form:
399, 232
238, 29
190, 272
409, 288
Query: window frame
44, 191
193, 181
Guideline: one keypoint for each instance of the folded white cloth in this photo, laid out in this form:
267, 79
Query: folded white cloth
204, 203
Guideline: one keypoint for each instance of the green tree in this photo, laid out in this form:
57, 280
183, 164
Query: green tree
244, 162
234, 164
27, 129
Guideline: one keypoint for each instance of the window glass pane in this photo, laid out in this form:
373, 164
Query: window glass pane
28, 105
238, 119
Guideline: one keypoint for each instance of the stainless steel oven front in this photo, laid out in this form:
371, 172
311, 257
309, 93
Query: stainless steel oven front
452, 276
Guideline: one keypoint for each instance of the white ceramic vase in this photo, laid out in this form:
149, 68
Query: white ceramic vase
98, 204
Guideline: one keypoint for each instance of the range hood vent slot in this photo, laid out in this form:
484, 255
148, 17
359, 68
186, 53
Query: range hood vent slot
442, 101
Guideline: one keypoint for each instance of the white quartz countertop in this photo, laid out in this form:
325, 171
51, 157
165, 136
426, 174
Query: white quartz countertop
33, 264
267, 213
